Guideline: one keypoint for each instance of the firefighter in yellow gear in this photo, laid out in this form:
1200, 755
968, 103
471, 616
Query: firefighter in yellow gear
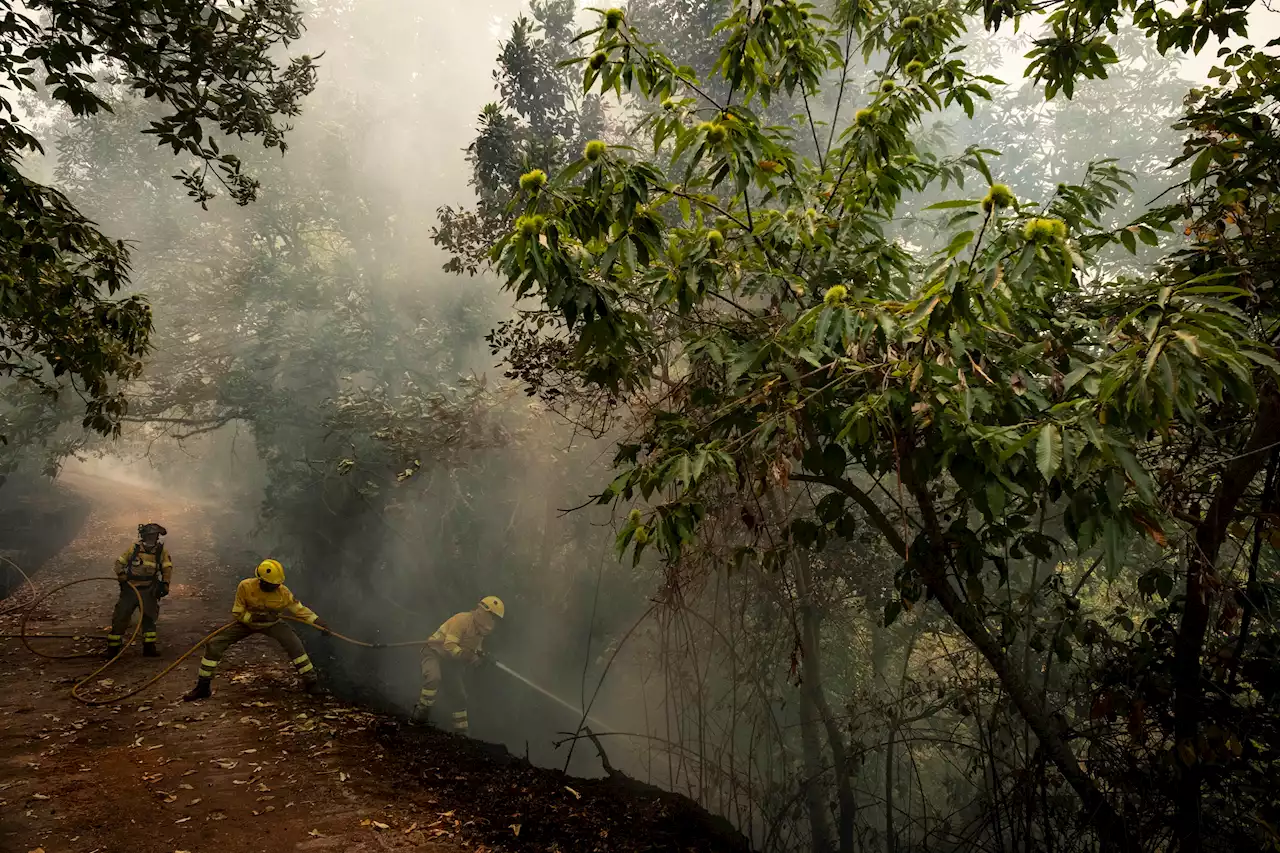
260, 601
458, 642
148, 568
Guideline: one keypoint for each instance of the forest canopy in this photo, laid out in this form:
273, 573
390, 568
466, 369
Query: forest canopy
213, 68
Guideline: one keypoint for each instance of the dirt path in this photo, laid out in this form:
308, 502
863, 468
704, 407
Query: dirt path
260, 767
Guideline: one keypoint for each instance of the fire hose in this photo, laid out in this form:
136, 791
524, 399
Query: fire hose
26, 638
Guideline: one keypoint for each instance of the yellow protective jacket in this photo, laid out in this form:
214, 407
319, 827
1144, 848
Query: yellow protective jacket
258, 608
460, 637
139, 565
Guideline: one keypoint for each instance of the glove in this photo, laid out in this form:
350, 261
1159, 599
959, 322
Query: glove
324, 629
124, 585
163, 589
483, 659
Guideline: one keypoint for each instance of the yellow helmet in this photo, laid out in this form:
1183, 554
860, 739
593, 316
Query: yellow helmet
493, 604
271, 571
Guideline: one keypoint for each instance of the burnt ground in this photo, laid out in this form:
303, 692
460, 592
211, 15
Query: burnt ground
259, 767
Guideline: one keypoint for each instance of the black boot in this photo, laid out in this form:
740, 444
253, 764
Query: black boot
149, 650
311, 687
200, 691
112, 651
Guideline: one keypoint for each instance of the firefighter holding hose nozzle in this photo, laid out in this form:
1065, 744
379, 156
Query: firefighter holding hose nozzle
147, 568
457, 643
260, 601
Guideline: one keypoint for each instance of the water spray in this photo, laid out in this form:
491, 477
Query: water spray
596, 724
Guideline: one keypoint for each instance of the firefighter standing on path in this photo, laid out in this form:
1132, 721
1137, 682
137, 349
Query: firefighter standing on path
147, 568
458, 642
260, 601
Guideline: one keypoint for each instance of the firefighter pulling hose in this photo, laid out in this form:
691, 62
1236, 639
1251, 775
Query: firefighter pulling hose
261, 602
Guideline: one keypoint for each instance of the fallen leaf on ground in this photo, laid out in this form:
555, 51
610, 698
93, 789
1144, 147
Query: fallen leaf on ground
316, 834
515, 828
182, 820
571, 791
411, 828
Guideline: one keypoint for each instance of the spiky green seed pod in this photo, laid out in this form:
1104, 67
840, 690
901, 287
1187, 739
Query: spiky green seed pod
594, 150
715, 132
613, 18
668, 104
1059, 229
767, 13
598, 59
835, 295
915, 68
723, 224
1041, 230
642, 535
864, 117
911, 22
998, 198
930, 20
533, 181
888, 86
635, 516
527, 226
715, 240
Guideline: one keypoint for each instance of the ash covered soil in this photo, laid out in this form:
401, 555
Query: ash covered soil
259, 767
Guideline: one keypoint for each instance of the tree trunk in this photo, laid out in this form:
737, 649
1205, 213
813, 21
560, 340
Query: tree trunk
810, 640
1188, 684
1049, 728
815, 796
890, 834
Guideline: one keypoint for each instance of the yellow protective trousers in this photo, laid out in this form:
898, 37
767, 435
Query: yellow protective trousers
441, 672
123, 614
278, 631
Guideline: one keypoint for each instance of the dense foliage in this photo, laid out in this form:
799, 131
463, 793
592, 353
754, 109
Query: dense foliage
215, 70
984, 410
